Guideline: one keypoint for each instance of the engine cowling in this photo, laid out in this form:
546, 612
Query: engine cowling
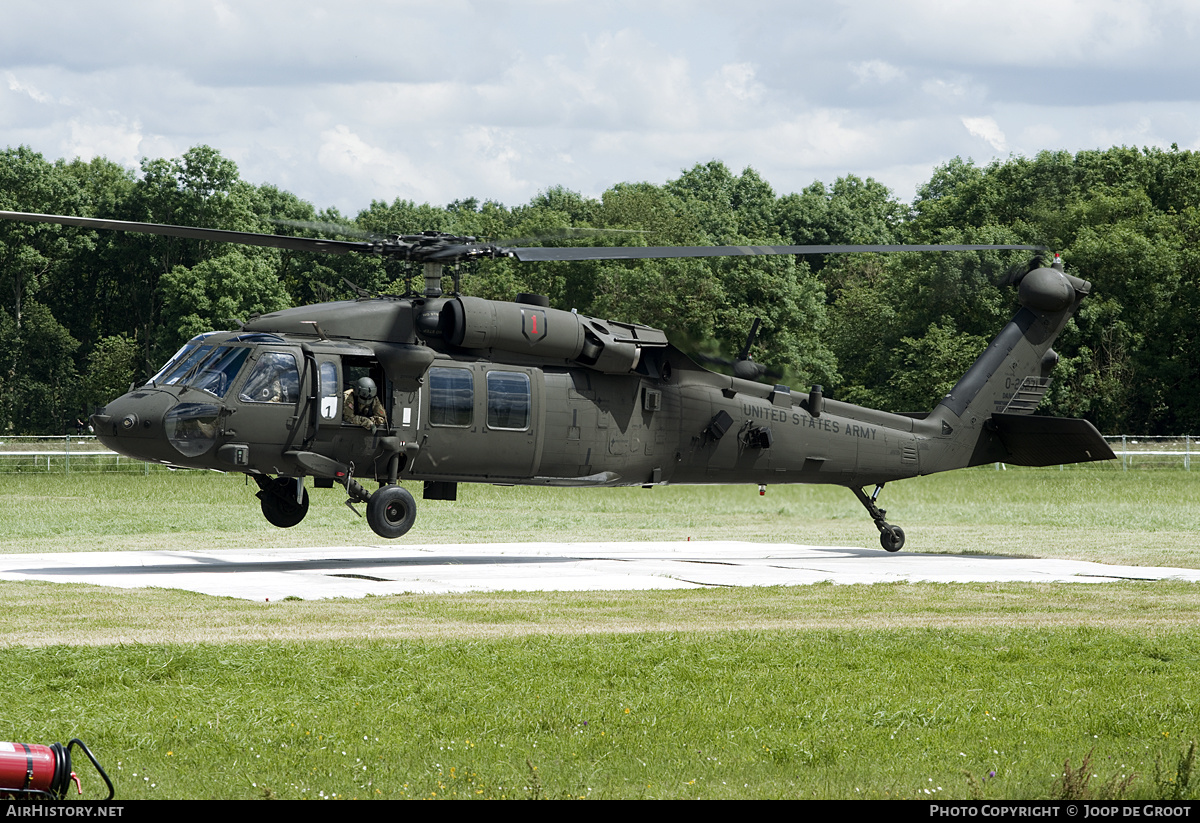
540, 331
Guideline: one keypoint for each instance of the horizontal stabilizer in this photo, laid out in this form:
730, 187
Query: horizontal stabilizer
1031, 440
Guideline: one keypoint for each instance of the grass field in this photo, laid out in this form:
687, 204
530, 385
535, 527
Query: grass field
1140, 517
920, 690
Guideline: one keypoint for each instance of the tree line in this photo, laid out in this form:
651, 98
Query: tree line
83, 314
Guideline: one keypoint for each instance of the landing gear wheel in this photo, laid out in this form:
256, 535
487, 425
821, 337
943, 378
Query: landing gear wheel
391, 511
891, 537
279, 504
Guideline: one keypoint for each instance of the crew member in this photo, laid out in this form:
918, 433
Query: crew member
361, 406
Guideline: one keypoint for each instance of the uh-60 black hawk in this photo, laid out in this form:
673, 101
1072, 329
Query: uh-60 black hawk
486, 391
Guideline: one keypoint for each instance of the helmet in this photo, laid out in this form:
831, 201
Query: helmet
364, 388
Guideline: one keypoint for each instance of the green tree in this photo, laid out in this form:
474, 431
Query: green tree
40, 396
930, 365
238, 283
30, 252
111, 368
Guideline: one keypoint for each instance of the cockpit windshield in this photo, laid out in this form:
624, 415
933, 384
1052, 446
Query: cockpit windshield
203, 366
189, 351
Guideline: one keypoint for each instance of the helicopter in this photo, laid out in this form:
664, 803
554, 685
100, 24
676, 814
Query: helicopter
471, 390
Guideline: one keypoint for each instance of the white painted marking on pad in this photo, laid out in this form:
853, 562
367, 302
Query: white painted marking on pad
315, 573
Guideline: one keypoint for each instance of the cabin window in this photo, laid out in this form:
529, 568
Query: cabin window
329, 390
508, 400
275, 379
355, 368
451, 397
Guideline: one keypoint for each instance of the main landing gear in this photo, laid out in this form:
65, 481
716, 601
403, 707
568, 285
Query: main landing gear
284, 500
391, 509
890, 537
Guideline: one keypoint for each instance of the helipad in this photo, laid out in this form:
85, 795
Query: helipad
312, 573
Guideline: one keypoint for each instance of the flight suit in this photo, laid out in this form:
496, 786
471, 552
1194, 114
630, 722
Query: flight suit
366, 413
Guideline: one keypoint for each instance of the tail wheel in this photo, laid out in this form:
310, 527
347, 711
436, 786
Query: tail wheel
391, 511
892, 538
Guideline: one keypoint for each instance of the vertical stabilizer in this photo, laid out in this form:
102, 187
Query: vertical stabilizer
976, 422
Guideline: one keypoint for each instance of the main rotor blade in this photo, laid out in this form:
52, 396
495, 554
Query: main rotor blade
447, 249
246, 238
656, 252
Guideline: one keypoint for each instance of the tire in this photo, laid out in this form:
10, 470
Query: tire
279, 504
391, 512
892, 538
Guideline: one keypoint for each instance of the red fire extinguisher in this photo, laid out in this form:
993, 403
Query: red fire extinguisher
42, 771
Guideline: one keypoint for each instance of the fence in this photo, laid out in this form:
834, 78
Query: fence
76, 453
1153, 452
63, 455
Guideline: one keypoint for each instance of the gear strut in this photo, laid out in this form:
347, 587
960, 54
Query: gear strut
890, 537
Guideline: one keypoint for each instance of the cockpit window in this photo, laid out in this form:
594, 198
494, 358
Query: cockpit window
187, 365
181, 364
275, 379
192, 427
257, 337
216, 372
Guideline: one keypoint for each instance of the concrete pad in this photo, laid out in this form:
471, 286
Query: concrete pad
314, 573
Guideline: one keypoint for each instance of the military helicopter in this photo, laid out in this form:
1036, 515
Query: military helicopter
484, 391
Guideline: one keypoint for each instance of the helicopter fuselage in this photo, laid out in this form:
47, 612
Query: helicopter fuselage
272, 403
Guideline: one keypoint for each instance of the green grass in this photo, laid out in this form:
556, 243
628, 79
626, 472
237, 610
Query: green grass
831, 713
814, 691
43, 614
1148, 518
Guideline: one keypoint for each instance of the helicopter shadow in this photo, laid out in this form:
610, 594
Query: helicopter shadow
207, 564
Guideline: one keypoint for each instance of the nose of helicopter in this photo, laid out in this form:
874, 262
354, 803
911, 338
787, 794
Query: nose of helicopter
133, 424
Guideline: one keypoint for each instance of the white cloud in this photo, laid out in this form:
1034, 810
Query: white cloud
985, 128
501, 99
119, 142
736, 80
876, 72
372, 167
26, 89
953, 91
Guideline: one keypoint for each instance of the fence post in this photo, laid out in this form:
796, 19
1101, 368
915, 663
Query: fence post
1187, 452
1124, 455
67, 458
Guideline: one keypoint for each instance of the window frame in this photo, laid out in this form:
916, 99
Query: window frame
495, 412
437, 410
259, 364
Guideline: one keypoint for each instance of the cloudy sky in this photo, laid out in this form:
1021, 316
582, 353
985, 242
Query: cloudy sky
342, 103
